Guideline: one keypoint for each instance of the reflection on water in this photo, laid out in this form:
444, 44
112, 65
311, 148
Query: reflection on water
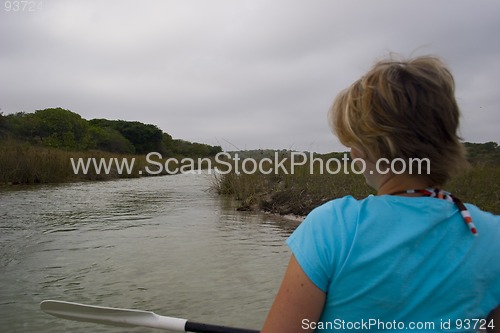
164, 244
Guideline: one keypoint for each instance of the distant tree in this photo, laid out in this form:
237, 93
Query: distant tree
3, 125
214, 150
199, 149
193, 149
61, 128
181, 147
144, 137
19, 126
58, 128
167, 147
109, 139
52, 127
483, 152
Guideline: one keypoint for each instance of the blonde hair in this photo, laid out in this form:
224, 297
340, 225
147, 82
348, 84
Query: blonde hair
406, 110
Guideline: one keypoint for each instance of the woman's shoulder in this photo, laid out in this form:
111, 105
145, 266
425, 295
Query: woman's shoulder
334, 214
348, 204
334, 206
484, 219
480, 212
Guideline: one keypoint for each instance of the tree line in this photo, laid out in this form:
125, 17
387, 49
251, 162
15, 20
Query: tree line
64, 129
488, 152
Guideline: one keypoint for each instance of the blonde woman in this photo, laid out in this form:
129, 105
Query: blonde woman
413, 257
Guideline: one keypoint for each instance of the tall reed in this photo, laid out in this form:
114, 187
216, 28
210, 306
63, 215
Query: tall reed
23, 163
300, 192
284, 192
480, 186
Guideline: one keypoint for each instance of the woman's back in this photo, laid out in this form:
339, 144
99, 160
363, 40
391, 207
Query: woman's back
401, 259
389, 260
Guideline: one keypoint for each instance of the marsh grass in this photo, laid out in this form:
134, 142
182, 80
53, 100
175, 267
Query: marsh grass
286, 193
281, 193
480, 186
24, 163
300, 192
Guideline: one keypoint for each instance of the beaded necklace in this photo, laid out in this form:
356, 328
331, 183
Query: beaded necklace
440, 194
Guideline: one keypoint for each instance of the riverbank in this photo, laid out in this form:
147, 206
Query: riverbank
298, 194
286, 193
25, 163
278, 192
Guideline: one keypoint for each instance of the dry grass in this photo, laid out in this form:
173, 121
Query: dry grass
24, 163
286, 193
479, 186
301, 192
282, 193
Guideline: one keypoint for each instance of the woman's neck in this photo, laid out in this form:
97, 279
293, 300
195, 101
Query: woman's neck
397, 183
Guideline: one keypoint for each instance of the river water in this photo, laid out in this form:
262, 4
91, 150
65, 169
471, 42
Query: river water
163, 244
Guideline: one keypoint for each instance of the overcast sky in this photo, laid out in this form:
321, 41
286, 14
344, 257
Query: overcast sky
244, 74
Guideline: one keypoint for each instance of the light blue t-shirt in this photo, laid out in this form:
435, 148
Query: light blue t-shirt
404, 261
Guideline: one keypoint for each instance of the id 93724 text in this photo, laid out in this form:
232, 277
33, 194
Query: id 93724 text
22, 6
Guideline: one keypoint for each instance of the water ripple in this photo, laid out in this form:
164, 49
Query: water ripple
163, 244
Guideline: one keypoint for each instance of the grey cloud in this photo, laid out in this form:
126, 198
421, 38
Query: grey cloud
258, 74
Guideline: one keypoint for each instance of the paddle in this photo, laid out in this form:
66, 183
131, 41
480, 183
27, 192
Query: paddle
127, 317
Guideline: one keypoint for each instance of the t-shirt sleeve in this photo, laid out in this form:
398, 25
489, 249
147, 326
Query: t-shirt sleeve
317, 242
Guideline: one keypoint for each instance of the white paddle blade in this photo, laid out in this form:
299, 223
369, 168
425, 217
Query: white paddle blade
111, 316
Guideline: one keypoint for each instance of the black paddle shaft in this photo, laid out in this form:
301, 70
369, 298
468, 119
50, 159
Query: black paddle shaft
207, 328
